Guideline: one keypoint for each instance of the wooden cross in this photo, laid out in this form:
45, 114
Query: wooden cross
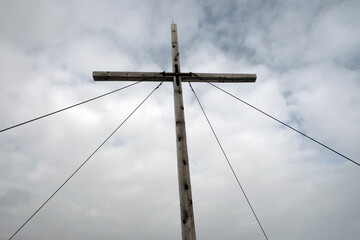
177, 77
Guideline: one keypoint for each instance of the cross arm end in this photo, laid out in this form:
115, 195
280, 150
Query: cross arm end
220, 77
130, 76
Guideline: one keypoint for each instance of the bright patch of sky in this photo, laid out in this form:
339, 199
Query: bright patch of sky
306, 57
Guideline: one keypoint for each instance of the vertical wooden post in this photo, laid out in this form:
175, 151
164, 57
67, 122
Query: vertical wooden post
186, 206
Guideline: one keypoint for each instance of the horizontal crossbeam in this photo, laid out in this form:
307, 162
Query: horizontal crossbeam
169, 77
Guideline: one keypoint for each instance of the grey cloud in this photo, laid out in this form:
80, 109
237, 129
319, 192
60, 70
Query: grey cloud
129, 189
14, 197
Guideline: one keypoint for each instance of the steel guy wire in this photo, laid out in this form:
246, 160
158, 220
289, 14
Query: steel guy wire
227, 159
58, 189
75, 105
283, 123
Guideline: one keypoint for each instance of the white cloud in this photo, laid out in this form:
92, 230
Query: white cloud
305, 57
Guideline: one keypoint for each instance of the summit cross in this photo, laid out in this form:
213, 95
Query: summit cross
177, 77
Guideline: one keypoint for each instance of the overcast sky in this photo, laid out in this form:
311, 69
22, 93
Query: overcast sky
307, 58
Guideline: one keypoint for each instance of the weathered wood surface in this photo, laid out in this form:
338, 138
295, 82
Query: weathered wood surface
186, 204
219, 77
168, 77
131, 76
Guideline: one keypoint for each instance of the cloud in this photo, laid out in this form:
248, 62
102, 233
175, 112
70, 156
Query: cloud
305, 57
